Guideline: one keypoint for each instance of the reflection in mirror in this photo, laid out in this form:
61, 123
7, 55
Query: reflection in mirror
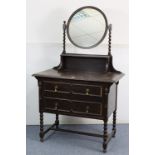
87, 27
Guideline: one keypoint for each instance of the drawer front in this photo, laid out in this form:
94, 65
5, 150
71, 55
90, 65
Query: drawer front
70, 106
88, 90
57, 104
87, 108
56, 87
61, 95
81, 92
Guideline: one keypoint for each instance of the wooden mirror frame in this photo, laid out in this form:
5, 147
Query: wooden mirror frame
70, 18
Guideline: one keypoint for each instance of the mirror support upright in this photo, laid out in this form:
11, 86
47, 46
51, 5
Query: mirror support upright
59, 67
109, 40
64, 37
111, 67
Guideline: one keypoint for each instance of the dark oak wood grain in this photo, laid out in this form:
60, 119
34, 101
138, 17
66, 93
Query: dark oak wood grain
80, 75
82, 86
86, 90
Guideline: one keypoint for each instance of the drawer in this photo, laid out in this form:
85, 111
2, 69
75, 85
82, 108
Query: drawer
89, 90
83, 89
87, 108
82, 92
57, 104
59, 94
56, 86
74, 107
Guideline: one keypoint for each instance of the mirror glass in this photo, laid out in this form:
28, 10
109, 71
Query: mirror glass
87, 27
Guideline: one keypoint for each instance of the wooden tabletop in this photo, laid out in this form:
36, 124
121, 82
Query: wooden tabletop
81, 75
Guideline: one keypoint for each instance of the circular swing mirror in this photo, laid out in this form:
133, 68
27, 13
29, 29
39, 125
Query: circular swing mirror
87, 27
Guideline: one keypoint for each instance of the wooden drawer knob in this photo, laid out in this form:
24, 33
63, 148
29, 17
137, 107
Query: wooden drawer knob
87, 109
87, 91
55, 88
56, 106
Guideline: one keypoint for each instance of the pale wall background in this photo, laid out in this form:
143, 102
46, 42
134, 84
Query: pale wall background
44, 46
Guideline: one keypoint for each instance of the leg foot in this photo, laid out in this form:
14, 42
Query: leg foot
41, 128
105, 136
41, 137
104, 150
57, 121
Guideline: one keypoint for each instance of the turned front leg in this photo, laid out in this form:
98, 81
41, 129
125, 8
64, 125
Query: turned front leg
41, 127
114, 123
105, 136
57, 121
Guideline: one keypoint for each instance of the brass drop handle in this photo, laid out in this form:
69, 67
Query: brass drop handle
55, 88
87, 109
87, 91
56, 106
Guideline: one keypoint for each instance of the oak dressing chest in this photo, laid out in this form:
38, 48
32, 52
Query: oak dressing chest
82, 85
